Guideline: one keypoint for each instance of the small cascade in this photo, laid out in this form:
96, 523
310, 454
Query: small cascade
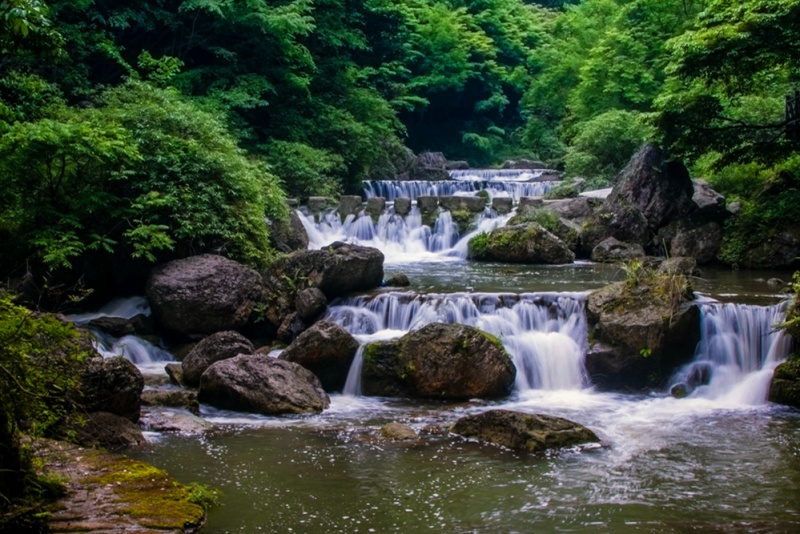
507, 175
399, 238
413, 189
738, 350
545, 333
352, 385
134, 349
127, 308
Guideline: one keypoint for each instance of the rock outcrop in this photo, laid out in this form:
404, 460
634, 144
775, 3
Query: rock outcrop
523, 432
214, 348
525, 243
203, 294
443, 361
262, 384
289, 235
327, 350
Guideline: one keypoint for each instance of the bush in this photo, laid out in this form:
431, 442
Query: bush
306, 171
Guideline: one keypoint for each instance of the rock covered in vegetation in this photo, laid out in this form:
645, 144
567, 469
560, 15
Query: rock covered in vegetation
112, 385
612, 250
203, 294
444, 361
262, 384
461, 203
523, 432
402, 206
785, 385
327, 350
525, 243
108, 492
647, 325
335, 270
214, 348
659, 188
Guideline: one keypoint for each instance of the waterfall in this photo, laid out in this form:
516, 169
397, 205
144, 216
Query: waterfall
413, 189
134, 349
545, 333
738, 350
352, 385
399, 238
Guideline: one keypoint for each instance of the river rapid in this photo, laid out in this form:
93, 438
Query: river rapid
721, 460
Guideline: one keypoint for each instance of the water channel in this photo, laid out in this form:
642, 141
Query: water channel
721, 460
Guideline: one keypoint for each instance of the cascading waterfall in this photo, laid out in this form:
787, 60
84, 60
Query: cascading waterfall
545, 333
413, 189
399, 238
738, 350
134, 349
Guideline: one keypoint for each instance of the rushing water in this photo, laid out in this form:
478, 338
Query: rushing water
721, 460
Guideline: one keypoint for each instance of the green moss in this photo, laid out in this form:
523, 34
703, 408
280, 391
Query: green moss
478, 246
464, 219
548, 219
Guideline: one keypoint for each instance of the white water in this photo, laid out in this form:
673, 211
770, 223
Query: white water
135, 349
126, 308
401, 239
413, 189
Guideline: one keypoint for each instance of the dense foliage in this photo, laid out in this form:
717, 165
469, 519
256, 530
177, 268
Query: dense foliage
174, 126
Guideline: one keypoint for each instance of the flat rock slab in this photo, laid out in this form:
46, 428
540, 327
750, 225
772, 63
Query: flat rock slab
110, 493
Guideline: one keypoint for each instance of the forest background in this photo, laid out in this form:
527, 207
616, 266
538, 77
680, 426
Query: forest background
166, 128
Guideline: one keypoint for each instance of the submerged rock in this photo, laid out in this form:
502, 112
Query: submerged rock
156, 420
523, 432
397, 431
444, 361
262, 384
327, 350
214, 348
525, 243
398, 280
203, 294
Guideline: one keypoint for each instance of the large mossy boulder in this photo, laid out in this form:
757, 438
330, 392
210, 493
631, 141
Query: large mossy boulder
522, 431
262, 384
442, 361
112, 385
785, 385
658, 187
336, 270
203, 294
524, 243
216, 347
327, 350
643, 329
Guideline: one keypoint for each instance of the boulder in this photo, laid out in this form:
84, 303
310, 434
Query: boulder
522, 431
710, 204
679, 265
107, 430
335, 270
429, 166
502, 205
460, 203
171, 398
523, 164
288, 235
526, 204
291, 327
659, 188
375, 207
443, 361
785, 385
327, 350
174, 371
576, 209
702, 243
174, 421
612, 250
397, 431
459, 165
112, 385
398, 280
428, 209
619, 220
644, 330
779, 252
349, 205
203, 294
525, 243
261, 384
402, 206
216, 347
317, 205
310, 304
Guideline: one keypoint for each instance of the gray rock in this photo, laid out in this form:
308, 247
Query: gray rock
526, 204
317, 205
375, 207
621, 221
115, 326
456, 165
402, 206
523, 432
203, 294
429, 166
679, 265
171, 398
523, 164
576, 209
288, 235
112, 385
398, 280
702, 243
327, 350
107, 430
397, 431
174, 421
502, 205
459, 203
710, 204
262, 384
216, 347
443, 361
175, 373
349, 205
659, 188
310, 304
612, 250
525, 243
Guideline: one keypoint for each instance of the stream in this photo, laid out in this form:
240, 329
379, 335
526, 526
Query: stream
721, 460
